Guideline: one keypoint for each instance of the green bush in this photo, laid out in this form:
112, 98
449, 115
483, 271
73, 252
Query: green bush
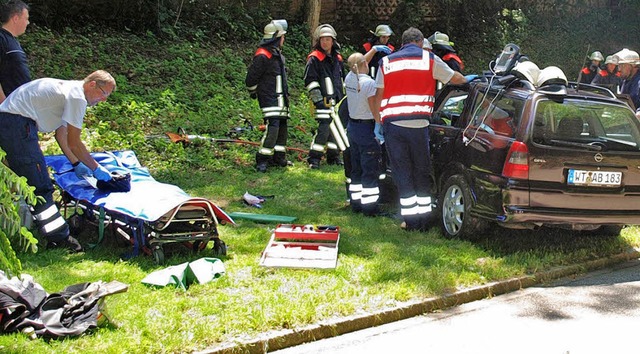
12, 234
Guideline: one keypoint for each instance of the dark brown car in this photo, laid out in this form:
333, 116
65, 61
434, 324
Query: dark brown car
522, 156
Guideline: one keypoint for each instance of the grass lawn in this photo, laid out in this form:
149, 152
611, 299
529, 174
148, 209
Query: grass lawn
379, 265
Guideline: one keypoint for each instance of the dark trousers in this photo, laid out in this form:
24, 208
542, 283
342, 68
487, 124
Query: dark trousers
408, 152
274, 141
365, 156
323, 138
19, 139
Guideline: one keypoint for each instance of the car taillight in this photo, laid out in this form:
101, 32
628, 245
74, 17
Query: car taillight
517, 163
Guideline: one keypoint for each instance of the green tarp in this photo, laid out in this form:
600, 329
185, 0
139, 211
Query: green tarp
182, 275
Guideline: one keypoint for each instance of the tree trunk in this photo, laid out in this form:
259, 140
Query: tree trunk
313, 17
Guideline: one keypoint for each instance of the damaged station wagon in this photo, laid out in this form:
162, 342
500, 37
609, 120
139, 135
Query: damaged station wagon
523, 148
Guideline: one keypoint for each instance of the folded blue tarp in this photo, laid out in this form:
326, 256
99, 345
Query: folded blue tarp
147, 200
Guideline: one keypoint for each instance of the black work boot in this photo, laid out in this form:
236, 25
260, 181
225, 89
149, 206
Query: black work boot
70, 243
335, 160
262, 166
314, 164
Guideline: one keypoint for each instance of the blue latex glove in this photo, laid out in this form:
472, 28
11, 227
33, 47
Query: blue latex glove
377, 130
382, 48
82, 170
102, 174
471, 77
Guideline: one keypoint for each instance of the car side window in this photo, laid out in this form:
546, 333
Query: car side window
497, 115
452, 108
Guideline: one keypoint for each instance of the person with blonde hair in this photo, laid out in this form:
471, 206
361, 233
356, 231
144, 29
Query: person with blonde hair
364, 149
47, 105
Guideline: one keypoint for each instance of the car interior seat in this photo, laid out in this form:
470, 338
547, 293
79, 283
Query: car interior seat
570, 128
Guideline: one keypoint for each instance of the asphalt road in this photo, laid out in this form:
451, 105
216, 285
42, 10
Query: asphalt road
595, 313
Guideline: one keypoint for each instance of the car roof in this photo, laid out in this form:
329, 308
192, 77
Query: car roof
523, 89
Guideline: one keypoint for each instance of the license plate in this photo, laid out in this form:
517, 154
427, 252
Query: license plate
594, 178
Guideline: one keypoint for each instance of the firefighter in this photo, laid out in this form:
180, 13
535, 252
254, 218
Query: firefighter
323, 76
267, 81
377, 47
443, 48
364, 149
405, 95
588, 73
608, 77
629, 66
46, 105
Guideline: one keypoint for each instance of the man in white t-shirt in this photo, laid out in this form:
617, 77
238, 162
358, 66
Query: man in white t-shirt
46, 105
364, 149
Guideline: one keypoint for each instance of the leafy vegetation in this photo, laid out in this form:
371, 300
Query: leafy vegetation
12, 234
193, 78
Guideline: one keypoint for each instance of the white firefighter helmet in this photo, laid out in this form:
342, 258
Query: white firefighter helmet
596, 56
626, 56
324, 30
382, 30
551, 75
273, 30
282, 23
426, 44
611, 59
527, 70
439, 38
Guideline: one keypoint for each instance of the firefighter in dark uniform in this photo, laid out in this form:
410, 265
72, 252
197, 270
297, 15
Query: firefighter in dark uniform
608, 77
267, 81
377, 48
588, 73
629, 67
405, 93
323, 79
441, 46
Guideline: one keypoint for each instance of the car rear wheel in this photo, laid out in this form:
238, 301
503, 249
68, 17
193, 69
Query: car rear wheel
455, 204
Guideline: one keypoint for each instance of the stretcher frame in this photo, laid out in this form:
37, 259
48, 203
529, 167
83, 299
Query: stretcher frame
192, 222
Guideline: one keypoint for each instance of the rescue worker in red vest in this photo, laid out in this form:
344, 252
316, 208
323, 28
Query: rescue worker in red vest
377, 47
608, 77
443, 48
405, 90
323, 79
267, 81
588, 73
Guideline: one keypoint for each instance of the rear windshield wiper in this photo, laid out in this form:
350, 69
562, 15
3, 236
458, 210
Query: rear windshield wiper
574, 144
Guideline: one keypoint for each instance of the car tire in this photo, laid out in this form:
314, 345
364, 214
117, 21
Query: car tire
454, 207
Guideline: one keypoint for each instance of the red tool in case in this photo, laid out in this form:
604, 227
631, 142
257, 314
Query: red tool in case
302, 246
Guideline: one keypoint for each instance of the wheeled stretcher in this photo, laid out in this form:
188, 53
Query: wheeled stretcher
149, 216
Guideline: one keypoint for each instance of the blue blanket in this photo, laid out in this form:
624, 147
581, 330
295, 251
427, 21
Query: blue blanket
147, 200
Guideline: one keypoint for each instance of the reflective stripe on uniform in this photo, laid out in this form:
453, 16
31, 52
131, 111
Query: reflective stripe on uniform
265, 151
355, 190
312, 85
323, 114
370, 195
53, 225
328, 86
47, 213
318, 147
280, 148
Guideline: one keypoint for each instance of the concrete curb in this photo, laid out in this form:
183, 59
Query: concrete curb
288, 338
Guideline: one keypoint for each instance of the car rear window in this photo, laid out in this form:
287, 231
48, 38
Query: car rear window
497, 114
574, 123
